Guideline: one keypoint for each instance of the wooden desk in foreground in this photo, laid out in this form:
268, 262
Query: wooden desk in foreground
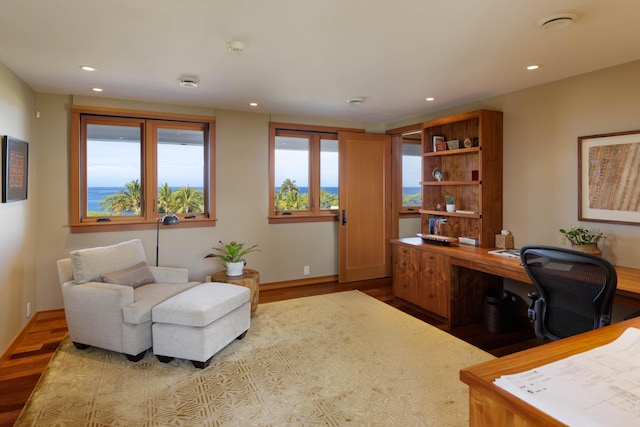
490, 405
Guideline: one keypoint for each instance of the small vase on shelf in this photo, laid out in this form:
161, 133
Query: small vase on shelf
450, 201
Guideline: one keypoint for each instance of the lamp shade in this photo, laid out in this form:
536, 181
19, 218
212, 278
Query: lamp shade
170, 219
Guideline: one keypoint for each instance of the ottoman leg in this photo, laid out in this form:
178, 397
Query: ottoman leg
164, 359
202, 365
242, 335
135, 357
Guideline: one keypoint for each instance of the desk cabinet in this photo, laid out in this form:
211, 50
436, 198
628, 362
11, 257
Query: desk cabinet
434, 278
406, 283
422, 278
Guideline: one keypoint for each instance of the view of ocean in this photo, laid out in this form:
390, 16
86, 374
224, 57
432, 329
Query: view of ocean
96, 194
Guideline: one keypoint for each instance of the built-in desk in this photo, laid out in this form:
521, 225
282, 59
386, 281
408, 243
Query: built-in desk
470, 271
490, 405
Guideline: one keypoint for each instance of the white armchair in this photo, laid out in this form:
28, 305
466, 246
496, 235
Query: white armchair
108, 295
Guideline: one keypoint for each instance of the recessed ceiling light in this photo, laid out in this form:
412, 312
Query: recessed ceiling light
87, 68
533, 67
236, 46
97, 89
188, 81
356, 101
430, 98
253, 104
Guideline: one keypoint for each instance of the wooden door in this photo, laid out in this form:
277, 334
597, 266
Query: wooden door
364, 229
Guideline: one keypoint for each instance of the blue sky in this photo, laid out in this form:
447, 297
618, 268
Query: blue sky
112, 164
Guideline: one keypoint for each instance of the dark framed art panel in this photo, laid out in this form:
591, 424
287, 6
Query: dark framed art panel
609, 178
15, 169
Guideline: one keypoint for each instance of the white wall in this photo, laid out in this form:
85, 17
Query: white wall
17, 219
541, 126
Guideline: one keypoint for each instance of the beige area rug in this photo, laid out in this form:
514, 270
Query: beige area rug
331, 360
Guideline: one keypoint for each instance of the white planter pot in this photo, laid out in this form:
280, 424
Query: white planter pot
451, 208
235, 268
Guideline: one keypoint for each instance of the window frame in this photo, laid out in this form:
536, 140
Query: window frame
149, 122
315, 134
397, 175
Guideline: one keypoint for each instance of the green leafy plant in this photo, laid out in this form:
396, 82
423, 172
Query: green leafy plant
449, 200
581, 236
232, 252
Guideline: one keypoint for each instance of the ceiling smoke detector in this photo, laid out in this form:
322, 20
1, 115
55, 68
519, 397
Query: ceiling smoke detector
557, 21
188, 81
236, 46
356, 101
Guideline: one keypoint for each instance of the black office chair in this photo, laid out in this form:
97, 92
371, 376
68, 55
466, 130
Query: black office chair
574, 290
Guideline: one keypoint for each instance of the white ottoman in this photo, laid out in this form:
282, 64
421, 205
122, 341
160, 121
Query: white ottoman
200, 321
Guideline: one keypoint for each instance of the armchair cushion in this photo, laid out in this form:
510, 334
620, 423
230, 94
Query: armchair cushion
89, 264
148, 296
134, 276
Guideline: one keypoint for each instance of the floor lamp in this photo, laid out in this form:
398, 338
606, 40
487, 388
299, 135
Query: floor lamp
169, 219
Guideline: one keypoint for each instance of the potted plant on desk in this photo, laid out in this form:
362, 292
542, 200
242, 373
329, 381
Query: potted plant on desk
231, 256
582, 239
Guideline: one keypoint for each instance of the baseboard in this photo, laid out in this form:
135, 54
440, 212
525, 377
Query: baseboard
6, 354
298, 282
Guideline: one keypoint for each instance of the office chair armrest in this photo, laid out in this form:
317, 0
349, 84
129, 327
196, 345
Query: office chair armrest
531, 312
605, 320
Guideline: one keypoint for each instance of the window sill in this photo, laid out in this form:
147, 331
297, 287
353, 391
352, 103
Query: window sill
94, 227
410, 214
287, 219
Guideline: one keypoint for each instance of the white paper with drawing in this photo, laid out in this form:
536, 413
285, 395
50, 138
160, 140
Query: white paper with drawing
600, 387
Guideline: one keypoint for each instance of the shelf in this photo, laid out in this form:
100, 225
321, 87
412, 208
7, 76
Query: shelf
457, 152
452, 214
473, 176
441, 183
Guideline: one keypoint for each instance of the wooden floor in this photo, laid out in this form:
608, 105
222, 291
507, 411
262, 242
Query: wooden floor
21, 371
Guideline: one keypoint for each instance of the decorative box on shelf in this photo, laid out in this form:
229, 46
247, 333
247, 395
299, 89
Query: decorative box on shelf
439, 144
453, 144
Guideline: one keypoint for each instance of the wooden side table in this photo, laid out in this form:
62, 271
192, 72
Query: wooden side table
250, 279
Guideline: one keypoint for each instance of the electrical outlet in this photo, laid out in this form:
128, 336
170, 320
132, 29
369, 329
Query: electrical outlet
306, 270
28, 310
207, 279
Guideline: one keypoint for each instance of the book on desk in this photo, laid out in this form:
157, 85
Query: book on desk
511, 253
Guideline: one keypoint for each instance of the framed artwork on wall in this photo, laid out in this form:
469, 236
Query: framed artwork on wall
15, 169
609, 178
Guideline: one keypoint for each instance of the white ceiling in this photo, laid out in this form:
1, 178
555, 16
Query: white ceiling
308, 58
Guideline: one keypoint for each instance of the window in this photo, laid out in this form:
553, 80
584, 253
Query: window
407, 171
411, 175
303, 173
130, 168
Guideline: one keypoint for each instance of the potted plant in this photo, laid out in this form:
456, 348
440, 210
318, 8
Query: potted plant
582, 239
450, 201
231, 256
